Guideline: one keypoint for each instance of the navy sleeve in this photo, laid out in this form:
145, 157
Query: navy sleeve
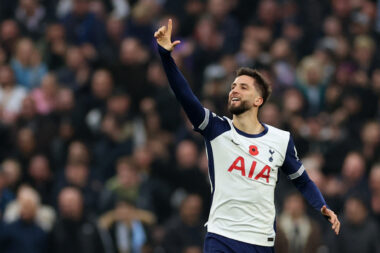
295, 171
190, 103
292, 165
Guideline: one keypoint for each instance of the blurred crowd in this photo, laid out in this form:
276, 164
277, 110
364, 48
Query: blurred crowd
97, 156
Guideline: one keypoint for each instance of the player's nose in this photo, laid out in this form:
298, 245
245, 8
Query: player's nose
234, 93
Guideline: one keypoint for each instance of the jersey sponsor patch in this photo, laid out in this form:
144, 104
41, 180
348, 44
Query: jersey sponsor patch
239, 165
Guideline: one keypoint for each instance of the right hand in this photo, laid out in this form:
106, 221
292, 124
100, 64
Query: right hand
331, 216
163, 37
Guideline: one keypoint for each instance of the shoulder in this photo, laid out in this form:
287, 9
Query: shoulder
278, 134
277, 138
214, 125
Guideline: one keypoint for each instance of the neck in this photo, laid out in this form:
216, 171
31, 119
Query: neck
248, 122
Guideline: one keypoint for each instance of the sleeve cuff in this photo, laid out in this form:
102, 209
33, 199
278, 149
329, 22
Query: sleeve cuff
163, 51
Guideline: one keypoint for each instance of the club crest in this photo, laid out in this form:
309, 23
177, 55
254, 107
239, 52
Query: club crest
271, 152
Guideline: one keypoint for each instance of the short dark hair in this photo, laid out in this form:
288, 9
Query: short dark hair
260, 82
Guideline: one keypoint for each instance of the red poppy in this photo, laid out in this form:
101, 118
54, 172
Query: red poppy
253, 150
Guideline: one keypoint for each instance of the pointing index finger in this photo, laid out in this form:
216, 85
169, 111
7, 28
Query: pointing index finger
170, 25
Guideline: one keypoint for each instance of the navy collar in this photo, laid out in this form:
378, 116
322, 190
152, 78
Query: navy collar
252, 135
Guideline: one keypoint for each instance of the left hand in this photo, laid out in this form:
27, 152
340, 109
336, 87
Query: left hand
163, 37
332, 218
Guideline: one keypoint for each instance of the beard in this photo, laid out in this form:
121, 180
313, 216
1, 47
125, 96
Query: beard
237, 110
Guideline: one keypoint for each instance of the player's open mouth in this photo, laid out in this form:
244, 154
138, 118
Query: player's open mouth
234, 100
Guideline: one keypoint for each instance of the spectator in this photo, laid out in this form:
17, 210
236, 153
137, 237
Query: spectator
54, 46
124, 186
187, 172
187, 229
370, 138
40, 177
353, 173
6, 195
45, 96
77, 174
115, 30
74, 227
125, 225
95, 104
26, 147
357, 224
364, 47
27, 64
226, 24
374, 184
302, 233
42, 125
82, 26
154, 193
31, 16
11, 95
44, 215
3, 56
165, 104
130, 72
208, 48
271, 115
116, 134
283, 64
140, 23
75, 74
312, 83
16, 236
11, 169
9, 34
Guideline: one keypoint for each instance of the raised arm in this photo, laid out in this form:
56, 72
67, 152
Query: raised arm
190, 103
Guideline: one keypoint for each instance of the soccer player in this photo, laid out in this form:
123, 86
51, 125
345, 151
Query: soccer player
244, 157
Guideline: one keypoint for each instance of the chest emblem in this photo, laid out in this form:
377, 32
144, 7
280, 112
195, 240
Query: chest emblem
271, 152
253, 150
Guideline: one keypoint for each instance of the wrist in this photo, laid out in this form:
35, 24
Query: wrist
163, 50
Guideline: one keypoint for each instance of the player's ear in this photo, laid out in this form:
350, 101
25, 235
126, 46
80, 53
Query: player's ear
258, 101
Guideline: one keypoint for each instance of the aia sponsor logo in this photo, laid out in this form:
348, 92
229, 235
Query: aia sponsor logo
239, 165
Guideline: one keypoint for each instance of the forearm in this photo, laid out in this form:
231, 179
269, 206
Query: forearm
145, 217
190, 103
310, 191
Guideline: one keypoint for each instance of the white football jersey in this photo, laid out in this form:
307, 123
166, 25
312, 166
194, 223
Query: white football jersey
243, 171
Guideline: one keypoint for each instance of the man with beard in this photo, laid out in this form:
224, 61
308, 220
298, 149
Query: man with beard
244, 157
